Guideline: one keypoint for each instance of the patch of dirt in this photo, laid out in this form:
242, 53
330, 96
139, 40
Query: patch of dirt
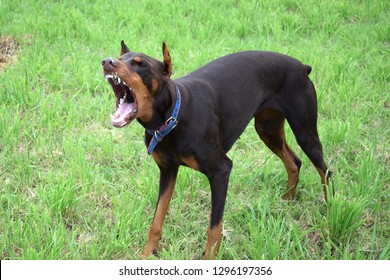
8, 49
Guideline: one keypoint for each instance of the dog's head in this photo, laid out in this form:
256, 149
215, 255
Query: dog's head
135, 79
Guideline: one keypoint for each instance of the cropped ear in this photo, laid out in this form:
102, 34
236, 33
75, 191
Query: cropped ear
167, 60
124, 48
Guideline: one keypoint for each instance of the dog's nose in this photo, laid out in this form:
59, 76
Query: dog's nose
109, 63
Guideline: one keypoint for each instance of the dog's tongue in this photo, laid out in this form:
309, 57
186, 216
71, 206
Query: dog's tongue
123, 114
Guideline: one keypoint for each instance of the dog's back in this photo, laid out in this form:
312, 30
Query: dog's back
243, 84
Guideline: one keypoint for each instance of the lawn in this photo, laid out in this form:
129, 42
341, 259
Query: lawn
74, 187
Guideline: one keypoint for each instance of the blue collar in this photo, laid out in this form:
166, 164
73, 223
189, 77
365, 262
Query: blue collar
167, 127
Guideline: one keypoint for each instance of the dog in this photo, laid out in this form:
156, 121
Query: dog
193, 121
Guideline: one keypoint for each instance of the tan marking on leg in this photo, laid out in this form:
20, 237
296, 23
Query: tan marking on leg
159, 159
292, 172
287, 157
190, 162
214, 237
322, 175
155, 231
325, 182
269, 126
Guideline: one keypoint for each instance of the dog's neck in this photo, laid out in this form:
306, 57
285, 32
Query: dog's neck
163, 104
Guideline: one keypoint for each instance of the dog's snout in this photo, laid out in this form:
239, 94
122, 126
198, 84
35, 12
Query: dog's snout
109, 63
107, 60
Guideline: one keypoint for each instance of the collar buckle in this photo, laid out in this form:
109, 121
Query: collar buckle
172, 119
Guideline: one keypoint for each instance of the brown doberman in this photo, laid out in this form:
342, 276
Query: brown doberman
195, 120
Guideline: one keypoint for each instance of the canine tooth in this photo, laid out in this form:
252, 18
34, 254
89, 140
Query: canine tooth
108, 76
121, 101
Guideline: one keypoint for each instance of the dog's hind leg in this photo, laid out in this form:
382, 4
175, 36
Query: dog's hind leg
311, 145
269, 124
301, 114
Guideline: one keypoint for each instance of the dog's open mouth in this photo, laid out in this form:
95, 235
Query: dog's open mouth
126, 103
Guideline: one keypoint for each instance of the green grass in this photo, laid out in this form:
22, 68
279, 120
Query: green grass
73, 187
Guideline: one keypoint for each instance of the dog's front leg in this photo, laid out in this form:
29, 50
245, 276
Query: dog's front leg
219, 181
167, 185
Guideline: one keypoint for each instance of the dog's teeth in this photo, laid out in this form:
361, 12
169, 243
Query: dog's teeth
108, 77
119, 80
121, 101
